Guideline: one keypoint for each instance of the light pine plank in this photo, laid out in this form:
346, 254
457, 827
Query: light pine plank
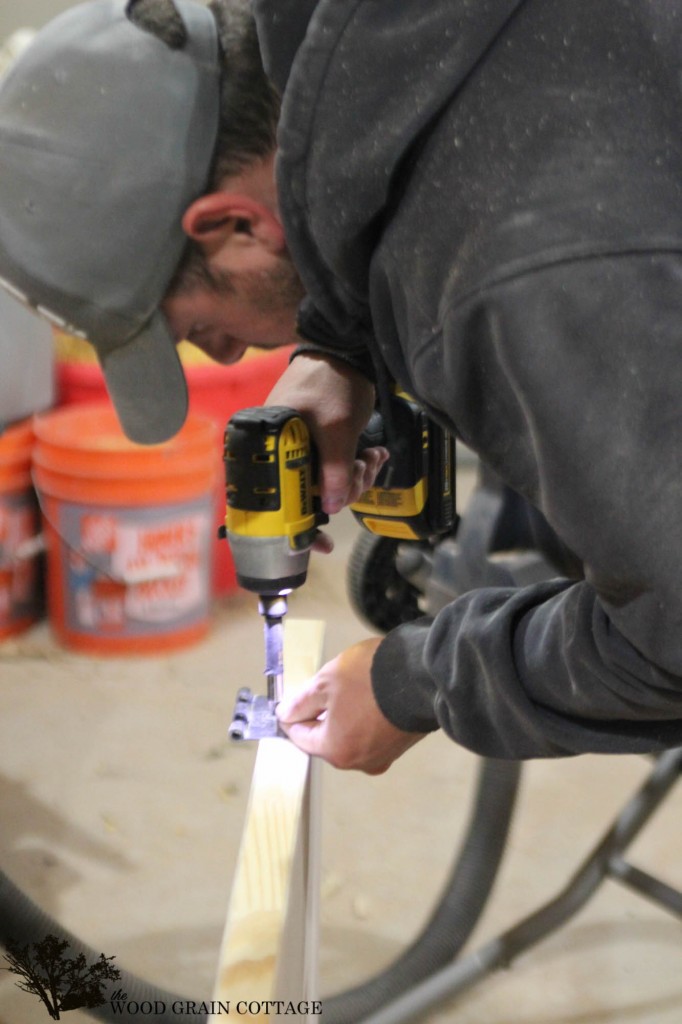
270, 942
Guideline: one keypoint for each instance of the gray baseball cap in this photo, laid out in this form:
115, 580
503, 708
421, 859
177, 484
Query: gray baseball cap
107, 134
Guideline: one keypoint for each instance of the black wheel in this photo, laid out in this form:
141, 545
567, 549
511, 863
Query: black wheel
377, 592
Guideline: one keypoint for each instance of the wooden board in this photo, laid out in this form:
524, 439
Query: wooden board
270, 942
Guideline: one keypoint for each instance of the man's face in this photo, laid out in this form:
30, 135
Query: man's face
254, 307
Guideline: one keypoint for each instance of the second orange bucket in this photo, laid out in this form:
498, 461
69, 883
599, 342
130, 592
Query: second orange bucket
20, 583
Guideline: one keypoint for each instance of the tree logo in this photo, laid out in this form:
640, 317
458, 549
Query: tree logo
60, 981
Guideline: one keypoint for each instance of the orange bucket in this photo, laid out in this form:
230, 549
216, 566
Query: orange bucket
129, 531
20, 582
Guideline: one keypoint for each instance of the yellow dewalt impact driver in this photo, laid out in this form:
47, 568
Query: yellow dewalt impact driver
274, 512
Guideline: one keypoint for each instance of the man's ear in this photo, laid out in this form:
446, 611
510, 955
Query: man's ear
229, 217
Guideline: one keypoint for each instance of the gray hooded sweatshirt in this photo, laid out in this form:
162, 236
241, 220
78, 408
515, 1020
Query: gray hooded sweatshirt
486, 197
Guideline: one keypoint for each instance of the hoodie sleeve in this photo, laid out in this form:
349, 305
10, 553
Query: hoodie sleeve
492, 667
586, 387
319, 337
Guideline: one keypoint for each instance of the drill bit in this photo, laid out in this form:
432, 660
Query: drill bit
273, 610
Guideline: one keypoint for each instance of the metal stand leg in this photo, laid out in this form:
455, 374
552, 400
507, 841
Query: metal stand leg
606, 861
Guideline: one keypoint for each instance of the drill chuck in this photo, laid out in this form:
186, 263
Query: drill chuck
268, 565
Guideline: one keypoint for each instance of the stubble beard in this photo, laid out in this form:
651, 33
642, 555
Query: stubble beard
276, 290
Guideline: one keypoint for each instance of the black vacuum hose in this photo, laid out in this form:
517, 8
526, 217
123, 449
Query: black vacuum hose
464, 897
23, 922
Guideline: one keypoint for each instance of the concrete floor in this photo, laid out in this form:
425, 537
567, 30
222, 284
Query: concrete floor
122, 803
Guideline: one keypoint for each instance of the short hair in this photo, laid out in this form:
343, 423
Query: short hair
249, 102
249, 113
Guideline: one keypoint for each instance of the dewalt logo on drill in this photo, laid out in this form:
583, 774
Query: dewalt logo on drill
296, 449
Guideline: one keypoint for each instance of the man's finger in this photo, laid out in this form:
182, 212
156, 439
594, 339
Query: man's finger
335, 483
342, 483
365, 471
307, 736
323, 543
374, 459
304, 707
337, 467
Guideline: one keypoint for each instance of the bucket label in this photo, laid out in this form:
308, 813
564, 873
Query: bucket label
20, 591
133, 572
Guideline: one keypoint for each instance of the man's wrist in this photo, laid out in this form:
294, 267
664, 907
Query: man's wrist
319, 336
359, 361
404, 691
